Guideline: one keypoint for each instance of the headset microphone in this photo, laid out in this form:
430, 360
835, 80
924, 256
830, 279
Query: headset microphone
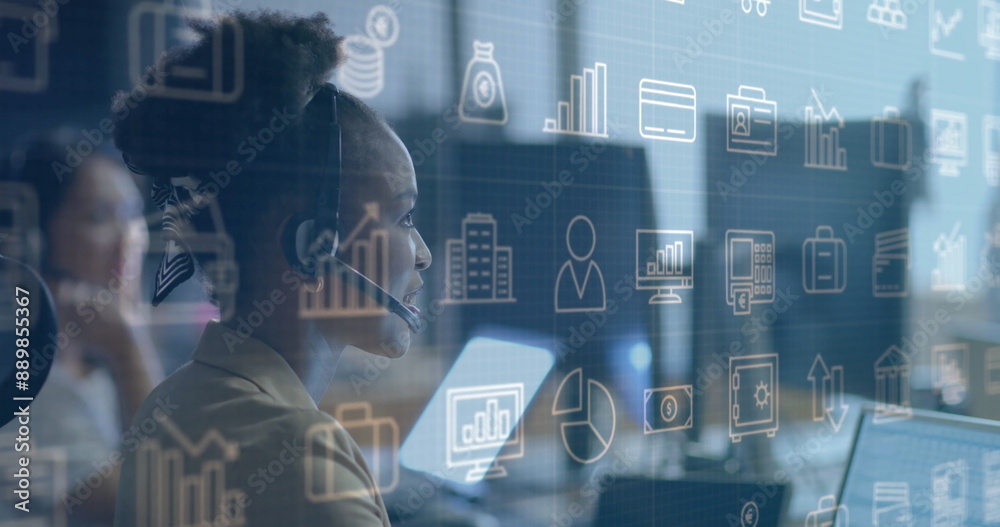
312, 240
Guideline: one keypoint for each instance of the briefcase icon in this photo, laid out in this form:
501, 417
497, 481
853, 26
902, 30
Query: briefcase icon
378, 439
824, 263
892, 140
155, 27
828, 514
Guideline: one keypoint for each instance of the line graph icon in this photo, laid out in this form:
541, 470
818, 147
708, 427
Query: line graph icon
946, 17
586, 111
823, 130
949, 275
370, 255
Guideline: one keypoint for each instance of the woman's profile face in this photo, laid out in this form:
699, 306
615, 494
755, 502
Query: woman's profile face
378, 203
98, 233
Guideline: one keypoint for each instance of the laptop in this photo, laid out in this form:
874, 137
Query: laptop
928, 469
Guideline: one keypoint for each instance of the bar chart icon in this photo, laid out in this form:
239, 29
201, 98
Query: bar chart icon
586, 111
949, 275
823, 129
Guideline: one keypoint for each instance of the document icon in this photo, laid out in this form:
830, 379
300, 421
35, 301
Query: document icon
668, 111
751, 122
891, 263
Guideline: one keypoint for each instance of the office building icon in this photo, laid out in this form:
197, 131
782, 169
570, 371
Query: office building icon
480, 421
586, 111
154, 27
370, 256
363, 74
478, 271
576, 291
753, 395
824, 262
589, 409
891, 264
949, 274
989, 28
991, 149
483, 99
945, 18
169, 493
27, 68
668, 111
892, 140
664, 261
751, 122
750, 269
892, 386
891, 505
378, 439
949, 141
827, 13
823, 130
950, 371
887, 13
949, 493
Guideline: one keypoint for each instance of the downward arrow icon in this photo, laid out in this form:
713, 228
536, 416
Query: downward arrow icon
828, 393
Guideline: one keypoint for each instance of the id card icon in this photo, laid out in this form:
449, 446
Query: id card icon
751, 122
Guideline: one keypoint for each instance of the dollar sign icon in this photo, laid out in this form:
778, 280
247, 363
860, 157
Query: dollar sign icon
668, 408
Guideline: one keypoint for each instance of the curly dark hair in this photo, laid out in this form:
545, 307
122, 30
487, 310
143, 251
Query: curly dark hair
286, 60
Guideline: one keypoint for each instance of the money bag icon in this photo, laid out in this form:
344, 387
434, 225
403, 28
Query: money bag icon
482, 99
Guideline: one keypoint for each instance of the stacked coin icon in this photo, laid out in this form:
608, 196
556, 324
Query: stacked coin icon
364, 72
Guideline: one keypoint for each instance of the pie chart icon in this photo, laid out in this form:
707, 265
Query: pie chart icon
589, 411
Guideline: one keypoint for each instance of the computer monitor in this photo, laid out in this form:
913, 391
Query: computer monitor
932, 469
473, 421
989, 28
664, 261
481, 423
949, 140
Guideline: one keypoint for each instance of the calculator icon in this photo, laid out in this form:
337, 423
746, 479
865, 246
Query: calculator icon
750, 267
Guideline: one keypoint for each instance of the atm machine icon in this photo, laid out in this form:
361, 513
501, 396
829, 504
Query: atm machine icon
753, 395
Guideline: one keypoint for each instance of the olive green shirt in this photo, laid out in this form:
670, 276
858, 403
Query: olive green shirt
232, 438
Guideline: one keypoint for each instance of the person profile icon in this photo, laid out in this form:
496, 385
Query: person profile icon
740, 126
577, 291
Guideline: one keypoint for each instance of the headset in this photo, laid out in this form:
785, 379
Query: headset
310, 238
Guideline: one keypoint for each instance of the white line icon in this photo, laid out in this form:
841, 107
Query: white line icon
823, 129
750, 269
991, 371
949, 274
824, 263
989, 28
749, 514
586, 111
378, 438
370, 256
753, 395
991, 149
892, 386
892, 140
668, 111
991, 487
164, 485
48, 473
944, 23
949, 141
667, 409
364, 72
888, 13
891, 264
155, 27
27, 70
576, 293
949, 488
826, 510
748, 5
828, 393
827, 13
478, 270
950, 371
572, 400
751, 122
664, 261
480, 420
891, 505
483, 99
